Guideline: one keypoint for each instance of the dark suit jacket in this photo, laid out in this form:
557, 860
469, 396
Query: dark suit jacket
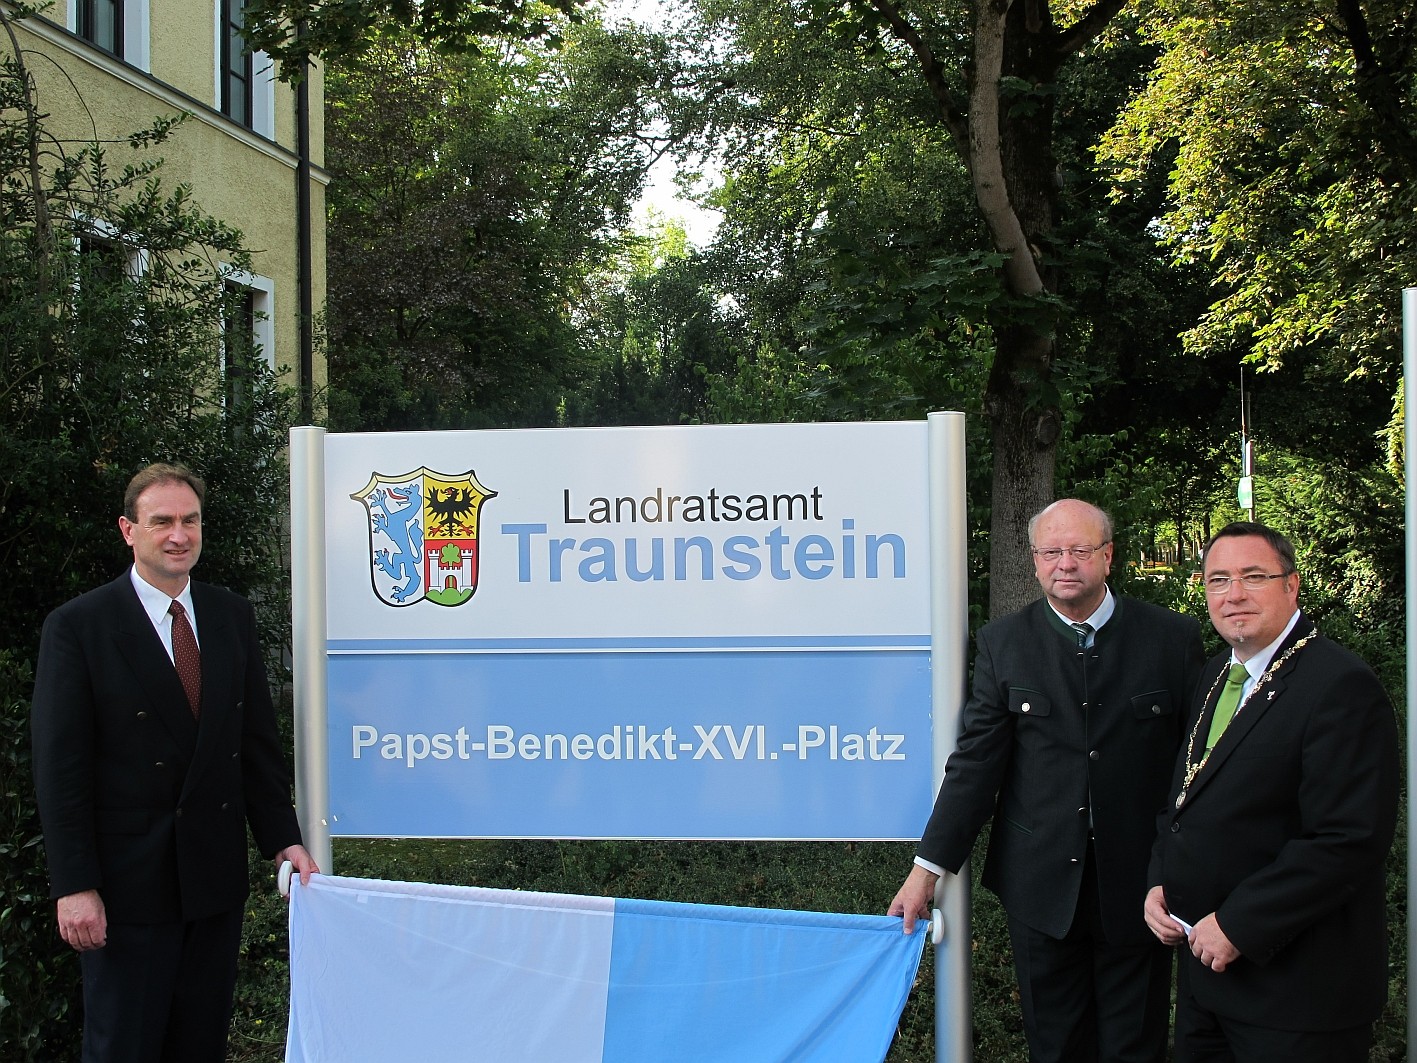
1050, 732
1283, 835
136, 799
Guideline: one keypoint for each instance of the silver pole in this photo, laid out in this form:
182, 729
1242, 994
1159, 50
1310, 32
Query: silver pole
1409, 463
308, 641
949, 643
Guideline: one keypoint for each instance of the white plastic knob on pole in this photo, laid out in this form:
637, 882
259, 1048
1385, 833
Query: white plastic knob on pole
287, 870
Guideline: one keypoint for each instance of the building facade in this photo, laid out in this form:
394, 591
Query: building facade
252, 148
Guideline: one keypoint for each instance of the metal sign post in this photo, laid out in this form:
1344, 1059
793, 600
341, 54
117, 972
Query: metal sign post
1409, 462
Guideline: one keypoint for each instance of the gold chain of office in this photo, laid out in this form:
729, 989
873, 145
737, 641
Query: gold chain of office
1193, 769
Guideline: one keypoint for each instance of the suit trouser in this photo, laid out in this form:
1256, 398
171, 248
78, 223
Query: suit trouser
1086, 1000
161, 992
1202, 1036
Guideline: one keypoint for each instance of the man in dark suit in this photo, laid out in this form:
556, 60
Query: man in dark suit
1068, 740
155, 744
1269, 860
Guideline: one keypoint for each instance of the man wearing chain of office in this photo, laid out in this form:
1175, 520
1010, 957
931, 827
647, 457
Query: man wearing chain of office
1268, 865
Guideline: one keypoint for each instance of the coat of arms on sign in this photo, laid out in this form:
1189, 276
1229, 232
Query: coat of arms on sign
423, 535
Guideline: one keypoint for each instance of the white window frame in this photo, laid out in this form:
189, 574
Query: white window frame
135, 259
263, 81
137, 27
263, 331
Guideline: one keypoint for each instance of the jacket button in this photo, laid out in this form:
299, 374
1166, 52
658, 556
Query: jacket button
142, 715
1156, 710
159, 765
179, 813
1025, 706
1175, 828
1094, 755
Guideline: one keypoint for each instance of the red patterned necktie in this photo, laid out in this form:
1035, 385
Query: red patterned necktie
186, 656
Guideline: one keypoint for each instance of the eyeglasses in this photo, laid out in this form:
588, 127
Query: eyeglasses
1054, 554
1252, 581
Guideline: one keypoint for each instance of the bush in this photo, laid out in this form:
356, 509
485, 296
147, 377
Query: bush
38, 973
105, 367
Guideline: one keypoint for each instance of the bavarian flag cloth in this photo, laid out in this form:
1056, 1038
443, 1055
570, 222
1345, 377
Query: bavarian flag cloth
385, 971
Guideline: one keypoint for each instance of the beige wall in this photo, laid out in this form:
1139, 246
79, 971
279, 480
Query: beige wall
237, 175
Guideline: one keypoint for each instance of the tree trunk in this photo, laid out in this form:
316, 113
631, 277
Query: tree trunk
1011, 162
1006, 138
1025, 444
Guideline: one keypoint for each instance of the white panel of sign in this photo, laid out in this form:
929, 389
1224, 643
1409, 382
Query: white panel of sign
707, 632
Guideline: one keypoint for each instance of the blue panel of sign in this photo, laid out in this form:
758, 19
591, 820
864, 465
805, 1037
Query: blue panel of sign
750, 743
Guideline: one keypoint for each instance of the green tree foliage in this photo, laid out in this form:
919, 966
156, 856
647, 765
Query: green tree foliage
1288, 130
113, 294
1285, 134
473, 201
656, 335
848, 222
912, 206
296, 32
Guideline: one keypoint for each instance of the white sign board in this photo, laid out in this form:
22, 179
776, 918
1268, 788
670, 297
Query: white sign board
698, 632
